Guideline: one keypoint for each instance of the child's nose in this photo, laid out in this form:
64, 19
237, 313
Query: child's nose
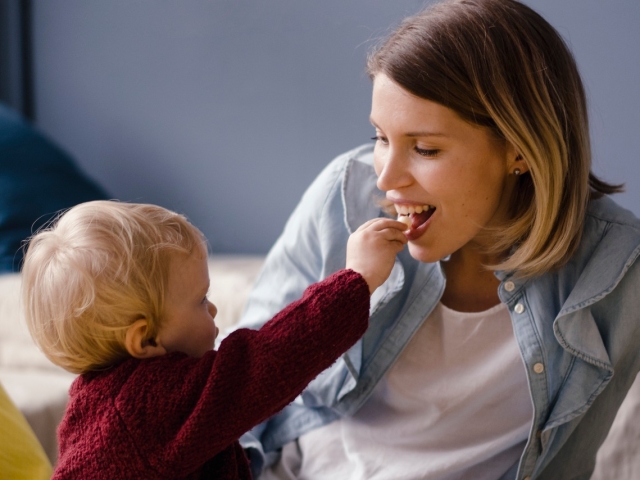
213, 311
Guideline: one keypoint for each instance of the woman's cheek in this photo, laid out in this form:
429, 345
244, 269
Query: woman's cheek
377, 161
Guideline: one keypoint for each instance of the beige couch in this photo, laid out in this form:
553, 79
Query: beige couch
39, 388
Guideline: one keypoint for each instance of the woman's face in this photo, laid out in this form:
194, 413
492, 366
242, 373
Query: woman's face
429, 158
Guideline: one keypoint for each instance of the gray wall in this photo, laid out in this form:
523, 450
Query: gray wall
225, 110
11, 92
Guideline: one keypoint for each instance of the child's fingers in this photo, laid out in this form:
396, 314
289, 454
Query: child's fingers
386, 229
383, 223
392, 230
394, 235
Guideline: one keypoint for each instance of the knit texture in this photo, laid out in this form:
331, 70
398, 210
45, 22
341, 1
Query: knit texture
177, 417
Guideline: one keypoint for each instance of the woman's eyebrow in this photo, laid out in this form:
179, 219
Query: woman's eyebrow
423, 133
426, 134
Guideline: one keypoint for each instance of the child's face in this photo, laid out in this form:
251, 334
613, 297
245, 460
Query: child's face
188, 324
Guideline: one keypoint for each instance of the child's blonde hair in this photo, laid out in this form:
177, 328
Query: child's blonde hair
100, 267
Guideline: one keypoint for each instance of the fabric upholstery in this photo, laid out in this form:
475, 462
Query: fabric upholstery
37, 179
21, 456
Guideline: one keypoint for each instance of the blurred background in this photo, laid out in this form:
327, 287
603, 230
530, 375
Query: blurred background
225, 110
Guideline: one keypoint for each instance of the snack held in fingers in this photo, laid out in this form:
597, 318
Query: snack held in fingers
406, 219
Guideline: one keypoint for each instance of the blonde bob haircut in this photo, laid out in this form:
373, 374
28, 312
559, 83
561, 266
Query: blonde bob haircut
500, 65
97, 269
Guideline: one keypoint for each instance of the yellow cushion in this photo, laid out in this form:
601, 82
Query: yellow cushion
21, 455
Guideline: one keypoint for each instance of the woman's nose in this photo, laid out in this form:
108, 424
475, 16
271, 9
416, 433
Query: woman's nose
392, 168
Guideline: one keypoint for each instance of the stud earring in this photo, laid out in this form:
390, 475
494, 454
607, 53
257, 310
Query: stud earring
517, 171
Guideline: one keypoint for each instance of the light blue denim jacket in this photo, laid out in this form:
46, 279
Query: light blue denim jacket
579, 326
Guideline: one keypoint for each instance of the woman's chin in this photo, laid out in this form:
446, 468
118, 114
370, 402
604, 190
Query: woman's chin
424, 254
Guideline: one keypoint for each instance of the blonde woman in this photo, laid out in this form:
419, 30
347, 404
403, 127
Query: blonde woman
506, 337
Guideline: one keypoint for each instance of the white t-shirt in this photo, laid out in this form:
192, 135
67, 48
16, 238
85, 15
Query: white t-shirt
455, 405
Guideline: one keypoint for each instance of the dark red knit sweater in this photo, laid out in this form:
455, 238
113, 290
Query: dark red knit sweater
176, 417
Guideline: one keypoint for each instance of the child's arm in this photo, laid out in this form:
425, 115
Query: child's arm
206, 404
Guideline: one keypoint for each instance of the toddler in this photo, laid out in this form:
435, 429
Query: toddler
117, 293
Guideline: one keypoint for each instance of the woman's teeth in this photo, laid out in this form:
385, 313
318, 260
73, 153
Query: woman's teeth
413, 216
409, 209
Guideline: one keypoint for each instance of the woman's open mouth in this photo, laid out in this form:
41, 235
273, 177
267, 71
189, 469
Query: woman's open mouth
416, 218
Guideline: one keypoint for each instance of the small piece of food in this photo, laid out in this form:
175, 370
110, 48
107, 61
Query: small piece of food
406, 219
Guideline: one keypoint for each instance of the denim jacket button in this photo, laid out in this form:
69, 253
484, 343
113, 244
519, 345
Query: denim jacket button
519, 308
509, 286
538, 368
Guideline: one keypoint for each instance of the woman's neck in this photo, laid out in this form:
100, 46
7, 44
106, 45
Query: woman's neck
470, 286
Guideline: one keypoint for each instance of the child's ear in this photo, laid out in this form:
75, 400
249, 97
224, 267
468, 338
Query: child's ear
138, 344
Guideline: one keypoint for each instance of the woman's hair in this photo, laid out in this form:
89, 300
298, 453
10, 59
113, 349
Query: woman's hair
97, 269
500, 65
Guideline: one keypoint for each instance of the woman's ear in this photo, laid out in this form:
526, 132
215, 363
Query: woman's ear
138, 344
518, 164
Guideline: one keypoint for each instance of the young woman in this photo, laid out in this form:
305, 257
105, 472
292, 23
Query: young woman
506, 337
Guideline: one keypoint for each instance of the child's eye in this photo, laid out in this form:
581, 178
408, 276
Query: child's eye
205, 299
427, 152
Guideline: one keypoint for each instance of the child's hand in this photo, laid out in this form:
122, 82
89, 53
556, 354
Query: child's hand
372, 249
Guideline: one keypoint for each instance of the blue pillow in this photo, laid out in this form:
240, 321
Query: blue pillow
37, 179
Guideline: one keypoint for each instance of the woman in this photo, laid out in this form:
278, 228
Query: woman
492, 347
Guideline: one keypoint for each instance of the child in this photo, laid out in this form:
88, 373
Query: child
117, 292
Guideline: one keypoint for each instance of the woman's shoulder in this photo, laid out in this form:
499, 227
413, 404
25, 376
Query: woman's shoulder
347, 184
351, 170
608, 251
612, 230
360, 195
358, 160
605, 209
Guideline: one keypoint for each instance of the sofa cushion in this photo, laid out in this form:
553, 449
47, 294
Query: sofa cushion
21, 455
42, 398
37, 179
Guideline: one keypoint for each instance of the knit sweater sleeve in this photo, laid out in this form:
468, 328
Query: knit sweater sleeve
181, 412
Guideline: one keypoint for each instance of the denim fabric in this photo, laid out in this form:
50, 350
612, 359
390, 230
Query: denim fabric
578, 328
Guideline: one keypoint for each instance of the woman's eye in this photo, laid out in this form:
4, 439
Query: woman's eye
427, 152
380, 139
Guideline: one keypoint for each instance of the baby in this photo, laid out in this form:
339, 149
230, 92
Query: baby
117, 292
